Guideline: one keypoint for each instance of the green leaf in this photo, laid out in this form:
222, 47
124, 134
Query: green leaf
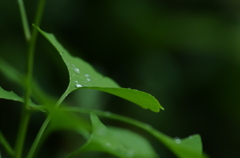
138, 146
119, 142
190, 147
14, 97
143, 99
184, 148
83, 75
9, 95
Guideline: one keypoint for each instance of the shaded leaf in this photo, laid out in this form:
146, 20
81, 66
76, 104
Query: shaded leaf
83, 75
119, 142
6, 145
190, 147
17, 77
65, 120
11, 73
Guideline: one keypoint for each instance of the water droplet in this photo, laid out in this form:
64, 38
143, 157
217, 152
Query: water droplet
86, 75
108, 144
88, 79
177, 140
78, 85
76, 70
190, 137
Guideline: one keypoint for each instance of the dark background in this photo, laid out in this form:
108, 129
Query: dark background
186, 53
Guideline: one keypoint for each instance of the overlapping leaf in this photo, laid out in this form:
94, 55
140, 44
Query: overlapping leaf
82, 75
119, 142
64, 120
190, 147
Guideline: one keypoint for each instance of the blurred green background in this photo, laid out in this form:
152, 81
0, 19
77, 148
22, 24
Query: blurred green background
185, 53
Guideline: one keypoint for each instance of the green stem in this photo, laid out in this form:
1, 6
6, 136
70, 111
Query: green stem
22, 133
31, 49
6, 145
39, 136
64, 95
24, 20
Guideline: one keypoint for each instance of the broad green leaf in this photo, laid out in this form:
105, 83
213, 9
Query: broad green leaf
190, 147
119, 142
83, 75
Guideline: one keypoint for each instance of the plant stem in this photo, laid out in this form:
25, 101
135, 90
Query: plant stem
22, 133
6, 145
31, 50
24, 20
38, 138
30, 59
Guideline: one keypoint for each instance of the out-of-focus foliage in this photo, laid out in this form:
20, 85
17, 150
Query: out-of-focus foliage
185, 53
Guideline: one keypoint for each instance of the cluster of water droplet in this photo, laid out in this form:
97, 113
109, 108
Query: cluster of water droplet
87, 76
84, 78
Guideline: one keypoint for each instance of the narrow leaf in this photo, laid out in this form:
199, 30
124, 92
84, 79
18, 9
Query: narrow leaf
9, 95
6, 145
11, 73
83, 75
